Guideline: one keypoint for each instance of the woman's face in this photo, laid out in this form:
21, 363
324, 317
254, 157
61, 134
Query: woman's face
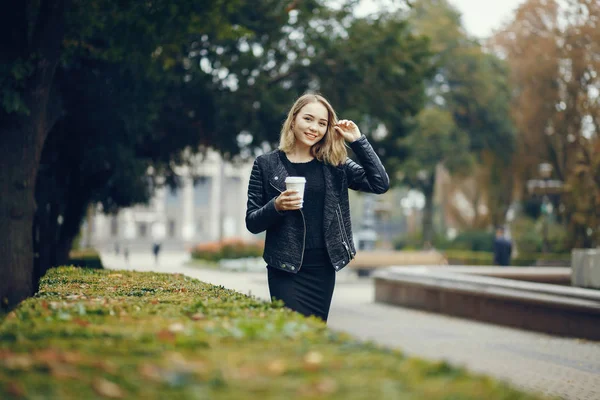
310, 124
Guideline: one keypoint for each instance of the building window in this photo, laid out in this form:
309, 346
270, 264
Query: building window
202, 191
142, 229
171, 228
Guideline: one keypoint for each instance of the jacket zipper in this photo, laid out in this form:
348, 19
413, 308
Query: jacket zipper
343, 232
304, 225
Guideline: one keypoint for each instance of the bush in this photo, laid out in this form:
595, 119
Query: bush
85, 258
465, 257
92, 334
528, 236
415, 242
474, 240
227, 249
461, 257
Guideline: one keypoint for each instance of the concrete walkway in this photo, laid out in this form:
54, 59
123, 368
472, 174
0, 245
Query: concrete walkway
567, 368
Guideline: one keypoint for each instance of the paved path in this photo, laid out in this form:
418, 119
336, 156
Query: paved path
567, 368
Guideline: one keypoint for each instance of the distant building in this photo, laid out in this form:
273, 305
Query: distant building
209, 205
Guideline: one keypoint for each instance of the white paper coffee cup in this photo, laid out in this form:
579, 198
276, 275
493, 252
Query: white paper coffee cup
296, 183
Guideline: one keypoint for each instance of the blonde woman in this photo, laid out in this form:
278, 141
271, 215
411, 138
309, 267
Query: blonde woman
309, 239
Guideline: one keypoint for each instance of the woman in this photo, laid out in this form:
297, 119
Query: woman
309, 239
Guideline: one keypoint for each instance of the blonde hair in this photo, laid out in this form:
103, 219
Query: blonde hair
331, 149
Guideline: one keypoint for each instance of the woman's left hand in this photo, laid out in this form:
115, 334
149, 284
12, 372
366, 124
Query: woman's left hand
348, 130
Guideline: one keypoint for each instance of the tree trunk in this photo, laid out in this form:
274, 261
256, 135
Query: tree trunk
20, 150
21, 140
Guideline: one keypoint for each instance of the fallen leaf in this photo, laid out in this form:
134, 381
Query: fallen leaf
47, 356
313, 360
165, 335
198, 316
18, 361
81, 322
71, 357
5, 353
277, 367
326, 386
63, 371
106, 366
15, 389
176, 327
107, 388
150, 371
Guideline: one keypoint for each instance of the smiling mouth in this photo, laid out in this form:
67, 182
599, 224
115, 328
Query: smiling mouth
311, 136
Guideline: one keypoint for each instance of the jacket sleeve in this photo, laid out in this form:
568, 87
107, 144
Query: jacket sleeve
370, 175
260, 214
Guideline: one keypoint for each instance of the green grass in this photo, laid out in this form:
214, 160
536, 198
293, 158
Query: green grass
115, 334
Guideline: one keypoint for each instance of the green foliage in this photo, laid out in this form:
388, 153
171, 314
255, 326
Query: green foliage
474, 240
227, 249
415, 242
13, 78
467, 113
97, 334
470, 240
436, 140
465, 257
528, 235
86, 259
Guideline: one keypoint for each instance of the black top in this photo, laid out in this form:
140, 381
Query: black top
314, 200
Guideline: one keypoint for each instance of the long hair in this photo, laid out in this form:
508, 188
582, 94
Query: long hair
331, 149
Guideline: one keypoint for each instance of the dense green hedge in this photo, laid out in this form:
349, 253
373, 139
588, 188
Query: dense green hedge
461, 257
227, 249
85, 258
115, 334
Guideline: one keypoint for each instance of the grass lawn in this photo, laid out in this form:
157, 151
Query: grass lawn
115, 334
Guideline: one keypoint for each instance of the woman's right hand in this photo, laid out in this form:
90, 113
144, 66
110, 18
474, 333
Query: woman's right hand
288, 200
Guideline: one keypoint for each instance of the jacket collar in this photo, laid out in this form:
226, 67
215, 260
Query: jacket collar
278, 173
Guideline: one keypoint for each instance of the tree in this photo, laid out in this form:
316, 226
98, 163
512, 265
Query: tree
472, 87
552, 49
437, 141
123, 119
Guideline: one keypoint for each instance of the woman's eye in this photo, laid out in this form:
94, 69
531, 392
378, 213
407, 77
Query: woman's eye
323, 124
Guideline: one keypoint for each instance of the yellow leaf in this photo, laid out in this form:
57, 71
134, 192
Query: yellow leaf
107, 388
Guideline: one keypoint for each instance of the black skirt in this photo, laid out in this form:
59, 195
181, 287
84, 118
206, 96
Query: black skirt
309, 291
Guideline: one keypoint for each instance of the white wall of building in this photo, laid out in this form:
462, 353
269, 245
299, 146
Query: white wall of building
199, 211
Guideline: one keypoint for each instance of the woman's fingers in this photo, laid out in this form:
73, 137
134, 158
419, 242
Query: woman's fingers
291, 200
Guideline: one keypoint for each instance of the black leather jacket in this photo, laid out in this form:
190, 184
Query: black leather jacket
286, 230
